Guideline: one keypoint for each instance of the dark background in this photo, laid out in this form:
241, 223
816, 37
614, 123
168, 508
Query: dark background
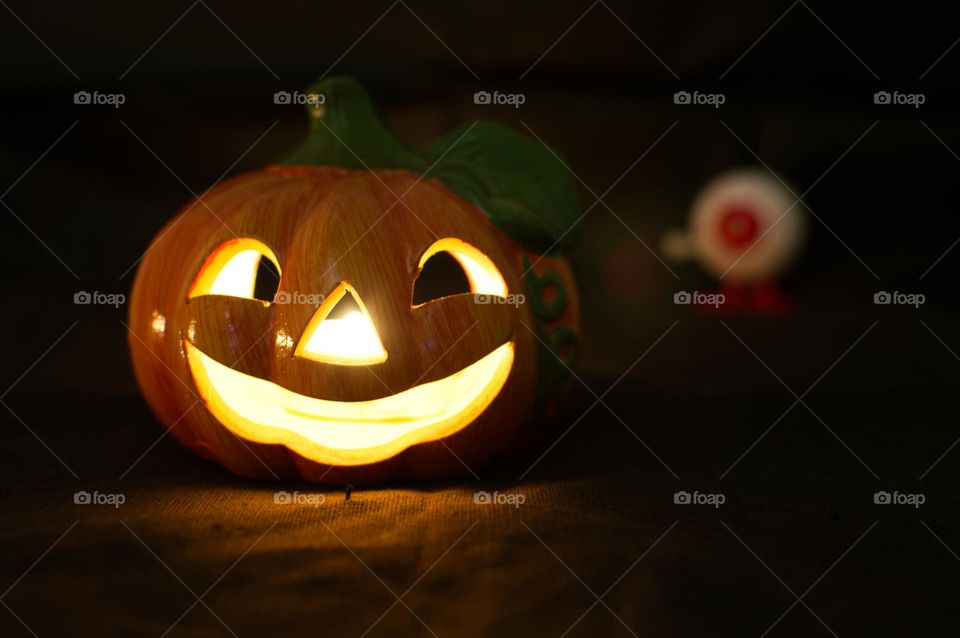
799, 81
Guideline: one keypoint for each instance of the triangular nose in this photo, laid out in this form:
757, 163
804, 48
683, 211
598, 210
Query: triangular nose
341, 332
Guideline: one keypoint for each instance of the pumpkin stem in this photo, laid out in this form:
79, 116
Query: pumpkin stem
520, 185
346, 131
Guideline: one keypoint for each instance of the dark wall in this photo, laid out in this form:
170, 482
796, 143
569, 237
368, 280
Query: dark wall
798, 79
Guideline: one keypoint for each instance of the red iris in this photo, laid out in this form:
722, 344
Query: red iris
738, 225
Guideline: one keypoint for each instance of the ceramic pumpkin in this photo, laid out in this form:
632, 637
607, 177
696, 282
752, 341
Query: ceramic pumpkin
284, 385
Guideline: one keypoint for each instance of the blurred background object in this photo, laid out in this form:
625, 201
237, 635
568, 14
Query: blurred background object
746, 227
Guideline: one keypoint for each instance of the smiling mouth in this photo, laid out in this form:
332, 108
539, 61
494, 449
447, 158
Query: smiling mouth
348, 432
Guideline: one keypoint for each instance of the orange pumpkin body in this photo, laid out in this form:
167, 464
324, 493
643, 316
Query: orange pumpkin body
327, 227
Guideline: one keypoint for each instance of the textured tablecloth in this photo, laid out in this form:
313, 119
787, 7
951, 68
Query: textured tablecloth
598, 520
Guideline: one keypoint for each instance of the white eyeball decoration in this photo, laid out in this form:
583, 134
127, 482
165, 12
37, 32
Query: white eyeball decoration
745, 228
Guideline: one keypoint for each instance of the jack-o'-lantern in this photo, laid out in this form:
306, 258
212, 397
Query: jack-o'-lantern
281, 326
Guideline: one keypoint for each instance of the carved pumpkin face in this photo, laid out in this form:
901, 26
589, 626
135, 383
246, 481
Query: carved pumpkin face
341, 372
352, 389
348, 432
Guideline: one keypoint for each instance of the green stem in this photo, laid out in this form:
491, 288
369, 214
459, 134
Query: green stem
346, 131
520, 185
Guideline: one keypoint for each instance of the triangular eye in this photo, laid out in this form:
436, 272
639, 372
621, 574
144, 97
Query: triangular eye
441, 276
